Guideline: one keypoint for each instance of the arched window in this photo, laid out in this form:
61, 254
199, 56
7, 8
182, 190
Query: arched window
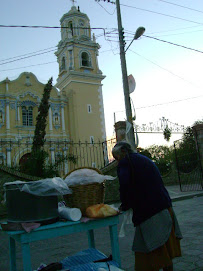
85, 59
23, 160
27, 116
63, 64
70, 26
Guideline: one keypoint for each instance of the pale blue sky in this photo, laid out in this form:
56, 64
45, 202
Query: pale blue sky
163, 72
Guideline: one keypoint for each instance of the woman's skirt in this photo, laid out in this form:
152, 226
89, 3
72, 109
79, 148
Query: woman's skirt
153, 256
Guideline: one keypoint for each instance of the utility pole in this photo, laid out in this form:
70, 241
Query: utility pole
125, 76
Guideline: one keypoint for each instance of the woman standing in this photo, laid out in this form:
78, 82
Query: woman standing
157, 234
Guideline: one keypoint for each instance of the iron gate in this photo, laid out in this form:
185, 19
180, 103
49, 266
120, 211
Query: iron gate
188, 164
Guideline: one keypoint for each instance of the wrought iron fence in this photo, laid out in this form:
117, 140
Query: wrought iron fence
188, 165
98, 154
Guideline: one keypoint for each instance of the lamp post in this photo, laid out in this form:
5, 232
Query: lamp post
128, 108
139, 32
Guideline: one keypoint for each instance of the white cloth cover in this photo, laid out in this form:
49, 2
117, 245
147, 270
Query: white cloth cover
86, 176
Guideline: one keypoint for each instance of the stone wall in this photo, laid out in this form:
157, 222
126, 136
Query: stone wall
112, 187
17, 174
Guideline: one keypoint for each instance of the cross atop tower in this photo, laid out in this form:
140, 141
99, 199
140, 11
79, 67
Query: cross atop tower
73, 2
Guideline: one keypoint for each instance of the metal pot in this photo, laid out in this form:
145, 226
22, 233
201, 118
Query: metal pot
25, 207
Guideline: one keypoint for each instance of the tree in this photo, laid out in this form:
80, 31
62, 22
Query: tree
162, 156
144, 152
40, 129
36, 163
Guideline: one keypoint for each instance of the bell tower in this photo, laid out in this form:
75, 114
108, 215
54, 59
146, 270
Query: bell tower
80, 78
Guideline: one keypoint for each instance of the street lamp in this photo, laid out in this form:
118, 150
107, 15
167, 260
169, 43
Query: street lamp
139, 32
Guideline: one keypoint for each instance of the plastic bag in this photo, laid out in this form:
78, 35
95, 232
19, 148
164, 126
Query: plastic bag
127, 219
86, 176
47, 187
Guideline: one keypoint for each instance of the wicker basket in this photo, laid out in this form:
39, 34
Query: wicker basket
85, 195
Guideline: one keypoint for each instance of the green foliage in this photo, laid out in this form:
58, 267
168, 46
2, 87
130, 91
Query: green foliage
184, 156
40, 128
52, 169
36, 164
198, 122
162, 156
167, 133
145, 152
160, 152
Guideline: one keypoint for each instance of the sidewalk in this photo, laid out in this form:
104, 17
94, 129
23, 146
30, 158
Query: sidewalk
188, 207
176, 194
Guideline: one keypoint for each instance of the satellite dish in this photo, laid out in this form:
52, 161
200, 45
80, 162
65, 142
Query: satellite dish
131, 83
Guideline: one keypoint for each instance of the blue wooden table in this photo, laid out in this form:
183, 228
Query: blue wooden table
60, 229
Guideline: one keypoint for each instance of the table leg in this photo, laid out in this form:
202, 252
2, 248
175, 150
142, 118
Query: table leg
26, 257
12, 254
115, 244
91, 240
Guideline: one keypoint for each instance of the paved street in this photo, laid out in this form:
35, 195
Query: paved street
189, 213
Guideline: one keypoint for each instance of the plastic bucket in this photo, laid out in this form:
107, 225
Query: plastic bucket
25, 207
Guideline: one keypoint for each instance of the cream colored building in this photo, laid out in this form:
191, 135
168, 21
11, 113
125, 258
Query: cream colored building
76, 113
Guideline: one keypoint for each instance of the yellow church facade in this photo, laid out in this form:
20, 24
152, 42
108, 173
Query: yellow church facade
75, 122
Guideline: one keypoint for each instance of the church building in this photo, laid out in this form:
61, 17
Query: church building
76, 113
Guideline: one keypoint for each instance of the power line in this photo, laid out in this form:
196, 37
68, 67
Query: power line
19, 56
176, 101
177, 29
6, 59
31, 26
105, 34
52, 27
26, 57
170, 30
174, 44
159, 13
183, 33
36, 53
180, 6
109, 1
160, 104
166, 69
106, 9
40, 52
166, 35
57, 27
40, 64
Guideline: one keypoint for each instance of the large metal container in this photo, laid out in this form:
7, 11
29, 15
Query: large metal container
25, 207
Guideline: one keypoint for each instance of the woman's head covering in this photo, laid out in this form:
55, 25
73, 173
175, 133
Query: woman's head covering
121, 149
